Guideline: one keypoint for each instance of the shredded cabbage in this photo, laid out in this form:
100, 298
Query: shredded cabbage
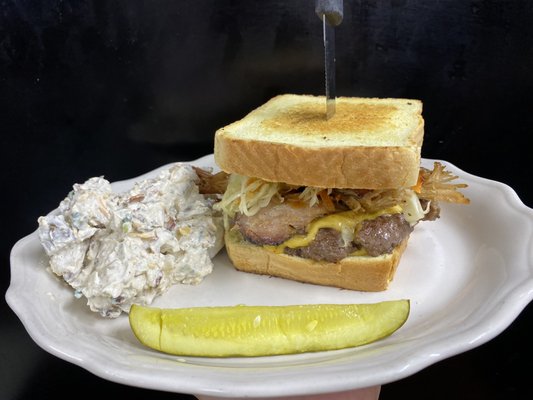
310, 195
411, 208
247, 195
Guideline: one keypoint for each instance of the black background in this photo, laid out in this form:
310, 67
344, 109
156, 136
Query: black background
117, 88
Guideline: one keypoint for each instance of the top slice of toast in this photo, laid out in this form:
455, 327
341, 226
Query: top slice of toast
371, 143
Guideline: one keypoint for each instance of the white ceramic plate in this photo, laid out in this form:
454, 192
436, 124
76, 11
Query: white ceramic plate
468, 275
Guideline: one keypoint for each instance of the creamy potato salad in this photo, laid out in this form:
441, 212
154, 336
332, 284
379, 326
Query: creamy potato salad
116, 249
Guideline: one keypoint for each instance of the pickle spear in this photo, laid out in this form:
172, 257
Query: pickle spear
237, 331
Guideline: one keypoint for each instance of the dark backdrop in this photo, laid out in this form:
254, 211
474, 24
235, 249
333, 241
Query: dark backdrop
117, 88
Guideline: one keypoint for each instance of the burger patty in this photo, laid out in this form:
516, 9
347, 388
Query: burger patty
381, 235
276, 223
377, 236
326, 246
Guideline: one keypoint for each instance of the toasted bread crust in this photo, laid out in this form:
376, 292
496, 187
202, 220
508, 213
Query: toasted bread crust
371, 274
377, 146
339, 167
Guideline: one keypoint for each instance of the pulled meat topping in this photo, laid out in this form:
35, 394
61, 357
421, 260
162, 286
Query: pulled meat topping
277, 222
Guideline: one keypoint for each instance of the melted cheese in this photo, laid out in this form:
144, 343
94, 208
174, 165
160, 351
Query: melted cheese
338, 221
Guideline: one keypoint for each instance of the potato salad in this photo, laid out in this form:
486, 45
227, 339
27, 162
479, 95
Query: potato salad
117, 249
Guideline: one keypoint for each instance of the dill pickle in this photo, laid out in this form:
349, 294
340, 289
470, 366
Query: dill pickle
265, 330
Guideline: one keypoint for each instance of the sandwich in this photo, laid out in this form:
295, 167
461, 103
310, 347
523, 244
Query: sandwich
329, 202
